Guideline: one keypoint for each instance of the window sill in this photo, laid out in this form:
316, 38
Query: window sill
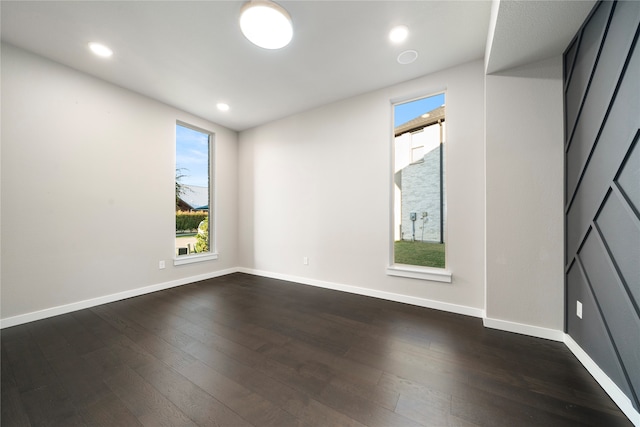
422, 273
190, 259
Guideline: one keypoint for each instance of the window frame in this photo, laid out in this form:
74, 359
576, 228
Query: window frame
436, 274
212, 254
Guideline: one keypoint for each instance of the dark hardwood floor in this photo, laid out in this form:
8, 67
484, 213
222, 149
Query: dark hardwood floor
241, 350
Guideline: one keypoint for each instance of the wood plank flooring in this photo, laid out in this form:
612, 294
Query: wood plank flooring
240, 350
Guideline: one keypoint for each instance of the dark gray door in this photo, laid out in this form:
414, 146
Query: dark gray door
602, 191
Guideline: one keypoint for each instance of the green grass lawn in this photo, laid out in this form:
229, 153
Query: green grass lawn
419, 253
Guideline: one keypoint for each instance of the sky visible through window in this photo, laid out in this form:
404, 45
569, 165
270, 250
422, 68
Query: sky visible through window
192, 155
410, 110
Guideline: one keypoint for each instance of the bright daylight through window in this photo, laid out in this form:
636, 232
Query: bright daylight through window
419, 211
193, 190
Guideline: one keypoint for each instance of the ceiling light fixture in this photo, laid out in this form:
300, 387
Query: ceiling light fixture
266, 24
222, 106
399, 34
100, 50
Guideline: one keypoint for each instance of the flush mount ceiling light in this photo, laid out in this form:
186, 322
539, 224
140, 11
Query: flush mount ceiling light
266, 24
100, 50
399, 34
222, 106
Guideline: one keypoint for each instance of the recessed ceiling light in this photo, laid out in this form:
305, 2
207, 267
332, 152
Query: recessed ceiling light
266, 24
222, 106
425, 115
100, 50
399, 34
407, 57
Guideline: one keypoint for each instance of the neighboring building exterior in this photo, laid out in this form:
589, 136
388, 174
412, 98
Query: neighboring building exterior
419, 170
193, 198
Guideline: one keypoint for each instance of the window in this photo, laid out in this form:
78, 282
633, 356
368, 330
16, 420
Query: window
194, 222
419, 197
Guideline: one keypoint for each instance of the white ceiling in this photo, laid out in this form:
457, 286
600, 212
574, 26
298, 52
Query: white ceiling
527, 31
192, 55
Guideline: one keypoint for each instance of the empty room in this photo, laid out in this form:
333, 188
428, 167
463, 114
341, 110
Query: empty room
320, 213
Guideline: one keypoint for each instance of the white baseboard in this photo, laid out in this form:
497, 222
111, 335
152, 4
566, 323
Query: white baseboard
620, 399
80, 305
407, 299
521, 328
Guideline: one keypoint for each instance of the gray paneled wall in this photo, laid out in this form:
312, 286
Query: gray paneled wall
602, 191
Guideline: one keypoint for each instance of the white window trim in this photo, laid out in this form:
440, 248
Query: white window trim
190, 259
212, 254
434, 274
422, 273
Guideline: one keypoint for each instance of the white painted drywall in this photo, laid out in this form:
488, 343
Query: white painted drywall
87, 191
524, 150
317, 185
88, 187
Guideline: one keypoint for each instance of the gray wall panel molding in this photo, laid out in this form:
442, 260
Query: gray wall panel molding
606, 78
569, 61
585, 62
629, 176
591, 330
618, 133
627, 88
615, 308
620, 233
602, 191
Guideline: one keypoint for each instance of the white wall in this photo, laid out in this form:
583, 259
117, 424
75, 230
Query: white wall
87, 191
524, 149
88, 187
318, 184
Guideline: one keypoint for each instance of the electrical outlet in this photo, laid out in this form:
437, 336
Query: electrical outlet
579, 309
305, 260
161, 265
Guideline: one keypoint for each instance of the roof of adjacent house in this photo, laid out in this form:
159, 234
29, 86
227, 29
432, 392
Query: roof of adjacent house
422, 121
195, 196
